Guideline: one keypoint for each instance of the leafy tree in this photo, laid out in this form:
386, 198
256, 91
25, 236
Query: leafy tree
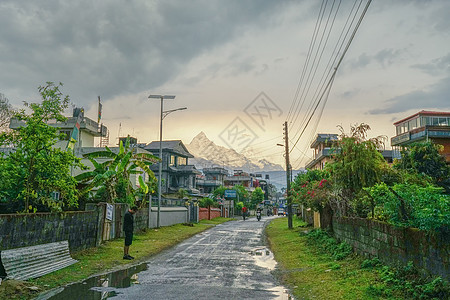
357, 163
207, 202
182, 193
306, 186
411, 205
425, 158
219, 192
34, 172
114, 173
256, 197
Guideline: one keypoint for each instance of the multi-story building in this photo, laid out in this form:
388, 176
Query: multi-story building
87, 133
322, 150
176, 171
213, 178
423, 126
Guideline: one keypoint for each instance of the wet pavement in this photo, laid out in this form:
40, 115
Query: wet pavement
229, 261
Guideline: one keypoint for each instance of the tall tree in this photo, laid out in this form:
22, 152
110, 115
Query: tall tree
425, 158
35, 174
357, 163
256, 197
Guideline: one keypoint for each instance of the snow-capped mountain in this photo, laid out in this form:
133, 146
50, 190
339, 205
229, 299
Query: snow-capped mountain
208, 154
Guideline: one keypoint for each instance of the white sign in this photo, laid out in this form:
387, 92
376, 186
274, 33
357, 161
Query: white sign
109, 211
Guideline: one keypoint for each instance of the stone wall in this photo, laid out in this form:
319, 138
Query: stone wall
394, 245
21, 230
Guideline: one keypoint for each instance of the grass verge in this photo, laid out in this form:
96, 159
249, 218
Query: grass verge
312, 274
108, 256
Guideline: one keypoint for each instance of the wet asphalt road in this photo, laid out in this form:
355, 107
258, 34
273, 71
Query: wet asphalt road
229, 261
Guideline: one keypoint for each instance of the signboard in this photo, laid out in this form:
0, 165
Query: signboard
230, 194
109, 211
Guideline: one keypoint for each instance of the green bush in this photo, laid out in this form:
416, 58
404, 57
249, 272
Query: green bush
410, 283
370, 263
412, 205
328, 244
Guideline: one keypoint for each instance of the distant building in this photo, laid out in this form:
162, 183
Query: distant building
322, 150
421, 127
89, 130
176, 171
213, 178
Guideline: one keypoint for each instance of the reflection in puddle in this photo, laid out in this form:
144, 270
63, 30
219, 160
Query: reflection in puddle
99, 287
264, 258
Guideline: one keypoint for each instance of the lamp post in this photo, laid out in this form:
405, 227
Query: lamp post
162, 116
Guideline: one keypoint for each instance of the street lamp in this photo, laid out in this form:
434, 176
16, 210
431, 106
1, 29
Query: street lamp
162, 116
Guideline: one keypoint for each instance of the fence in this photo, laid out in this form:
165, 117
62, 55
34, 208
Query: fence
395, 245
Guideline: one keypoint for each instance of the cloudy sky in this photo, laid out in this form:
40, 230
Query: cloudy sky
235, 65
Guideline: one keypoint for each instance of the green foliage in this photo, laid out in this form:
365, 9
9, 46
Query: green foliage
219, 192
409, 282
256, 197
412, 205
36, 171
425, 158
113, 176
328, 244
370, 263
206, 202
312, 189
357, 164
182, 193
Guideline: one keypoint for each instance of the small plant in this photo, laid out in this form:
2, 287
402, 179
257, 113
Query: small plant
408, 281
370, 263
326, 243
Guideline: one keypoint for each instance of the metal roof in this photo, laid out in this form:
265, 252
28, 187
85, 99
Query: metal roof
35, 261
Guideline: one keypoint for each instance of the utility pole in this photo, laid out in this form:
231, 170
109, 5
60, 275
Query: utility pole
288, 175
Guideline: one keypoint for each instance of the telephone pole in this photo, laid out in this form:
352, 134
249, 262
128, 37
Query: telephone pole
288, 175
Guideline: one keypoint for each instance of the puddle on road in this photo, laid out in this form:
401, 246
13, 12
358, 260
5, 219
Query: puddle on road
98, 287
264, 258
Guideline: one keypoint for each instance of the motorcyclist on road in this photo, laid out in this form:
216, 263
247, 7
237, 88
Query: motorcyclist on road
258, 214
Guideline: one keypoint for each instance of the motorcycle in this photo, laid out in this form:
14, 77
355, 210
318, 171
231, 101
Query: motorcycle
258, 216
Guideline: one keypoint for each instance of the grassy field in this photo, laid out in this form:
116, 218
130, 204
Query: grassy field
311, 274
108, 256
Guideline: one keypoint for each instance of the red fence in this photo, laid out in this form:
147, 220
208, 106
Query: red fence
208, 213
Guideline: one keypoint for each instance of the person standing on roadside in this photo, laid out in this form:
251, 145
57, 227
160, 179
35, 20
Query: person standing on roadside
128, 227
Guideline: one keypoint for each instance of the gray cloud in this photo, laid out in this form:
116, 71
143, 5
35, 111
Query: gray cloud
437, 66
434, 97
385, 58
113, 47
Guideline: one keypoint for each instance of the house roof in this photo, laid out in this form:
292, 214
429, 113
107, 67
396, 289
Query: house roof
324, 137
175, 146
425, 113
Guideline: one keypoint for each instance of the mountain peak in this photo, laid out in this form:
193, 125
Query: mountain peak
207, 154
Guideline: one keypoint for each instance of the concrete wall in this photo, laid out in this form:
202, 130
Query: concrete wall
21, 230
168, 216
394, 245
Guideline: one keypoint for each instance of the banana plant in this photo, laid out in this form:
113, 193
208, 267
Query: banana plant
113, 172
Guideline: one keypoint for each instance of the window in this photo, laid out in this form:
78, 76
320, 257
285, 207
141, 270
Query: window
442, 121
173, 160
182, 161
